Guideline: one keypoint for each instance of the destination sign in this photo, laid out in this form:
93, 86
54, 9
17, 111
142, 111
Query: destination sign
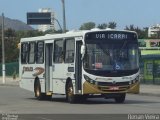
110, 35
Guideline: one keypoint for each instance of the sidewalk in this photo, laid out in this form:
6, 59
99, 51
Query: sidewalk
9, 81
152, 90
145, 89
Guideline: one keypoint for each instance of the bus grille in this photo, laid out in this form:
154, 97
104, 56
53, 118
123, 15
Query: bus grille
114, 88
112, 84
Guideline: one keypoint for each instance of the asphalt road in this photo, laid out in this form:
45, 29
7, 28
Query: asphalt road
18, 101
14, 99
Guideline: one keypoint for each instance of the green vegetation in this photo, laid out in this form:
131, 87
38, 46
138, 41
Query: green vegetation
12, 38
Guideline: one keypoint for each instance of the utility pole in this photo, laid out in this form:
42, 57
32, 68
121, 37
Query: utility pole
64, 17
3, 52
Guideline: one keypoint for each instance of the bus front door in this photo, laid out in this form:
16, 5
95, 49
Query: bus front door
78, 68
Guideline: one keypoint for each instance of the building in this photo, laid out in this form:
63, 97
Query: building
47, 27
154, 30
150, 60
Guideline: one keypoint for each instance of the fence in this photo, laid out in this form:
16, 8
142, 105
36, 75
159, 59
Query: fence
12, 69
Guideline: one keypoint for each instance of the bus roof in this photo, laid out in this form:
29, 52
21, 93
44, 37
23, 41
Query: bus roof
73, 33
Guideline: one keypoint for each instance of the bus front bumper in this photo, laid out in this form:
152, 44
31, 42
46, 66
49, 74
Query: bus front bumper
89, 88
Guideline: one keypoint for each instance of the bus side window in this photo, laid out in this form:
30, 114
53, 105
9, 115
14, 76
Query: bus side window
32, 50
24, 53
69, 51
40, 52
58, 51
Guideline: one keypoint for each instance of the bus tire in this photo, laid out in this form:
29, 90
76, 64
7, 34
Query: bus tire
37, 90
70, 97
120, 98
83, 98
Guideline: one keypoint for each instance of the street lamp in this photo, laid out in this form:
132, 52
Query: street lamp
64, 17
58, 23
3, 52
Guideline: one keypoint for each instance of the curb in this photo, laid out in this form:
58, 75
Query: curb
150, 94
9, 84
16, 83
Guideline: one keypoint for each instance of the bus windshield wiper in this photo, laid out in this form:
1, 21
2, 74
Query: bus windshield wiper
124, 44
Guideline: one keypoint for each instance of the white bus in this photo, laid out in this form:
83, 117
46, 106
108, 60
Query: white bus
81, 64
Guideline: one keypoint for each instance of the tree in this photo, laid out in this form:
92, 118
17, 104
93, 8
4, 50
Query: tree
11, 53
130, 27
12, 38
102, 26
112, 25
142, 33
87, 26
53, 31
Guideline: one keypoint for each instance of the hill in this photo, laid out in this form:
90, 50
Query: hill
15, 24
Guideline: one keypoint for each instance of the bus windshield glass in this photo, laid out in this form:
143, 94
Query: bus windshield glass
111, 56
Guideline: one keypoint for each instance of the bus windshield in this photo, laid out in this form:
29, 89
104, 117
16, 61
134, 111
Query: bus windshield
111, 56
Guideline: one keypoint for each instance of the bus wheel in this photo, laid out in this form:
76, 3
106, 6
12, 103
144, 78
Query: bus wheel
82, 98
70, 93
120, 98
37, 91
38, 94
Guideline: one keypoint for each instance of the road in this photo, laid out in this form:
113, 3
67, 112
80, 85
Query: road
16, 100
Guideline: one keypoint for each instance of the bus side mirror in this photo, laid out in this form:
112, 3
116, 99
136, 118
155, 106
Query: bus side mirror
139, 52
83, 50
19, 45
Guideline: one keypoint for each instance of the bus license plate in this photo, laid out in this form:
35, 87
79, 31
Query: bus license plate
114, 88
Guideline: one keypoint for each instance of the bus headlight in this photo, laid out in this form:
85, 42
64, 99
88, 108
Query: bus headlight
89, 79
137, 78
134, 81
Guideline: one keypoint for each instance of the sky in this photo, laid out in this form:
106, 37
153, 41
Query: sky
141, 13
